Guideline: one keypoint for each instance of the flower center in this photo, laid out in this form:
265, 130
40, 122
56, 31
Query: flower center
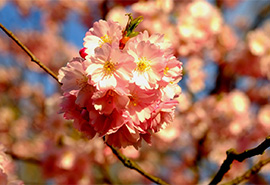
104, 39
109, 68
166, 70
133, 100
143, 64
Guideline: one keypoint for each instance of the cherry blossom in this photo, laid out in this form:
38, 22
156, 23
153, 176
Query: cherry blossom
110, 68
121, 91
150, 63
102, 32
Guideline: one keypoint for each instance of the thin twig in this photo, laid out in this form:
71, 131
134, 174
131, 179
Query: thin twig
29, 53
261, 17
248, 174
133, 165
233, 155
127, 162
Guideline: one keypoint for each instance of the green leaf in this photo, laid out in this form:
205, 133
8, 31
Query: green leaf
131, 25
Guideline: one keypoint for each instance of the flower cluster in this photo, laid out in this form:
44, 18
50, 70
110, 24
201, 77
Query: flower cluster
123, 86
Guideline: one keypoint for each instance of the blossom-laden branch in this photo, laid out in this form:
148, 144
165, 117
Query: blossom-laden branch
233, 155
247, 175
29, 53
126, 161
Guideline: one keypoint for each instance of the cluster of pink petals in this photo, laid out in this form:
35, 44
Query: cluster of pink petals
122, 95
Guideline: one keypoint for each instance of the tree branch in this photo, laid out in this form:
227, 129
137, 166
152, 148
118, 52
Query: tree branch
133, 165
127, 162
262, 15
248, 174
233, 155
29, 53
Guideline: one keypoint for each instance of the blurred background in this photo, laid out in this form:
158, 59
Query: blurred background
224, 46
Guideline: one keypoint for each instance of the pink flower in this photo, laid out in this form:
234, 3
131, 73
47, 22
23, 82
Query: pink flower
84, 96
73, 77
139, 101
128, 134
102, 32
106, 101
75, 81
125, 136
106, 124
79, 114
156, 39
162, 115
172, 70
169, 91
69, 108
150, 64
110, 69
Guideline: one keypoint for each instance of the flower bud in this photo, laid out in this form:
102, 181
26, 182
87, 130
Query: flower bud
82, 52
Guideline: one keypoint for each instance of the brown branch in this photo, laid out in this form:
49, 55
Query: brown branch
261, 17
233, 155
133, 165
29, 53
127, 162
248, 174
201, 148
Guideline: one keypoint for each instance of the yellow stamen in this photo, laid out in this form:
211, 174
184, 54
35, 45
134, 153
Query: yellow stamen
109, 68
166, 70
104, 39
133, 100
143, 64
